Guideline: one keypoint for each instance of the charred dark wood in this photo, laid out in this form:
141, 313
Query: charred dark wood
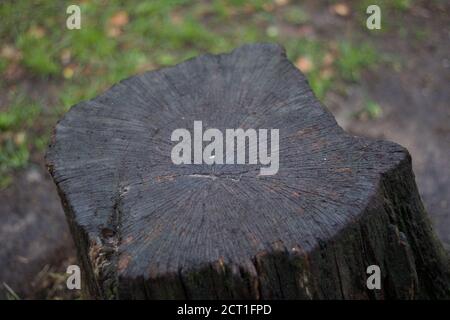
147, 228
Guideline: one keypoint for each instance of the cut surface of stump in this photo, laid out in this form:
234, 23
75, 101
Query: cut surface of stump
147, 228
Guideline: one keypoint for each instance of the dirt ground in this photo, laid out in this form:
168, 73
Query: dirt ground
36, 245
416, 110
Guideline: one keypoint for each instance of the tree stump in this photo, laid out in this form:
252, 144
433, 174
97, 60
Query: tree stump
146, 228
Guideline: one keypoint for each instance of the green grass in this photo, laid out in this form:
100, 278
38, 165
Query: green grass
83, 63
371, 110
10, 293
20, 114
296, 15
15, 143
314, 51
402, 5
38, 55
355, 58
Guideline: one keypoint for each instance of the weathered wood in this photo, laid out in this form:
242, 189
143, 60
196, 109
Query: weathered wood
146, 228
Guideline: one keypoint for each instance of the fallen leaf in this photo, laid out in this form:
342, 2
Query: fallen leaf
19, 138
113, 32
66, 55
68, 72
9, 52
341, 9
328, 59
326, 73
176, 18
119, 19
268, 7
281, 2
36, 32
304, 64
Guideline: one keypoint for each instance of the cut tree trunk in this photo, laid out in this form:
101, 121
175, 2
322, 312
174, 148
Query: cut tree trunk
147, 228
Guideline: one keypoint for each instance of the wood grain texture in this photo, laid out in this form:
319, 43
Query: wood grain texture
146, 228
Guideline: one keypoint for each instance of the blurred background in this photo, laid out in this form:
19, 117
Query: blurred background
392, 83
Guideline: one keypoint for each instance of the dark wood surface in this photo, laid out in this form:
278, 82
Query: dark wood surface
146, 228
